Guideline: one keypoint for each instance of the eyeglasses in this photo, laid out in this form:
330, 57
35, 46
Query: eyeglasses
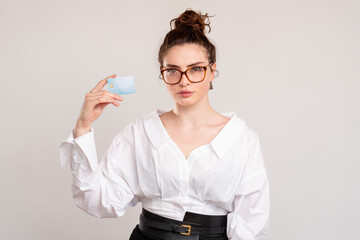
173, 76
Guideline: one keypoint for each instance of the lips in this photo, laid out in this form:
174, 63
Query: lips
185, 94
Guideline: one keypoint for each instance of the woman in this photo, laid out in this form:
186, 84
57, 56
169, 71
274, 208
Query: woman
199, 174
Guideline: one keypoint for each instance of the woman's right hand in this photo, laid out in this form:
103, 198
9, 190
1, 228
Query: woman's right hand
94, 104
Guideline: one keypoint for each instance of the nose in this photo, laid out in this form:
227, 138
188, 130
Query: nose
184, 80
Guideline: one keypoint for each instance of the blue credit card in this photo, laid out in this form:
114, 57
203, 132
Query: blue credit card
121, 85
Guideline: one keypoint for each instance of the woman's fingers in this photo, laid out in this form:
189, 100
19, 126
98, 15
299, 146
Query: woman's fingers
116, 104
102, 99
102, 83
106, 93
98, 99
108, 101
116, 96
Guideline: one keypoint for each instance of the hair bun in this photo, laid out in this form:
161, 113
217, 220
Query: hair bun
192, 20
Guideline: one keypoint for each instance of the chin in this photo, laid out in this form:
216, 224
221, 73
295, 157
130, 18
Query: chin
184, 101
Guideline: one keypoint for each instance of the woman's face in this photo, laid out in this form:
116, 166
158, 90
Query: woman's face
182, 57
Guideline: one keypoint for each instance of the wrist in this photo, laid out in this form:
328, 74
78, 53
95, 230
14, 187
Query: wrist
81, 130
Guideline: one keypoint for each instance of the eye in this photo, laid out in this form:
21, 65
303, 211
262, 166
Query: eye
170, 71
197, 69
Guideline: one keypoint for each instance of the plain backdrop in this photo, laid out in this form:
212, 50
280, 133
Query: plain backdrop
290, 69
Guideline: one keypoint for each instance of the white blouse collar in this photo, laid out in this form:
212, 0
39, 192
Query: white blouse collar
223, 141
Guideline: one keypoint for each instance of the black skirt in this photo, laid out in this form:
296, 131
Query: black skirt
138, 234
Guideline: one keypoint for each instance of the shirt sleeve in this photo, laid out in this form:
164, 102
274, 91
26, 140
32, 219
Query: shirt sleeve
107, 188
249, 219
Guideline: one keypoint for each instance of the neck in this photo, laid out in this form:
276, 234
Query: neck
194, 115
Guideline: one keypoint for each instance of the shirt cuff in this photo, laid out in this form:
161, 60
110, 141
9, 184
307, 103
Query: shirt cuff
85, 144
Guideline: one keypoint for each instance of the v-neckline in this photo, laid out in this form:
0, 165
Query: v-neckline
228, 115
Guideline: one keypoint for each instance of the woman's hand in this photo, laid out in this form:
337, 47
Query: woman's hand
94, 104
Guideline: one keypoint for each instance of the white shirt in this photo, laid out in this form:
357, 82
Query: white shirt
143, 164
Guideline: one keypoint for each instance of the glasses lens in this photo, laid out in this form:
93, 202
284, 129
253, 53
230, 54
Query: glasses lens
171, 75
196, 74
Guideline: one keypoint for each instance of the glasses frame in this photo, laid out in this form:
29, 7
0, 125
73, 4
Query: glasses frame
163, 69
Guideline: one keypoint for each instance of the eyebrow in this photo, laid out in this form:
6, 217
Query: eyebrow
175, 66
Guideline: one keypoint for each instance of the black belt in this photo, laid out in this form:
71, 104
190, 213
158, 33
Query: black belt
191, 227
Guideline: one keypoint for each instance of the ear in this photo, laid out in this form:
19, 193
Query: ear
213, 68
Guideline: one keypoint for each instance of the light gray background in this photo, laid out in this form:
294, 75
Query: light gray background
290, 69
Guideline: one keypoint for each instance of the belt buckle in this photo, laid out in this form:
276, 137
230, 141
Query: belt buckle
189, 229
